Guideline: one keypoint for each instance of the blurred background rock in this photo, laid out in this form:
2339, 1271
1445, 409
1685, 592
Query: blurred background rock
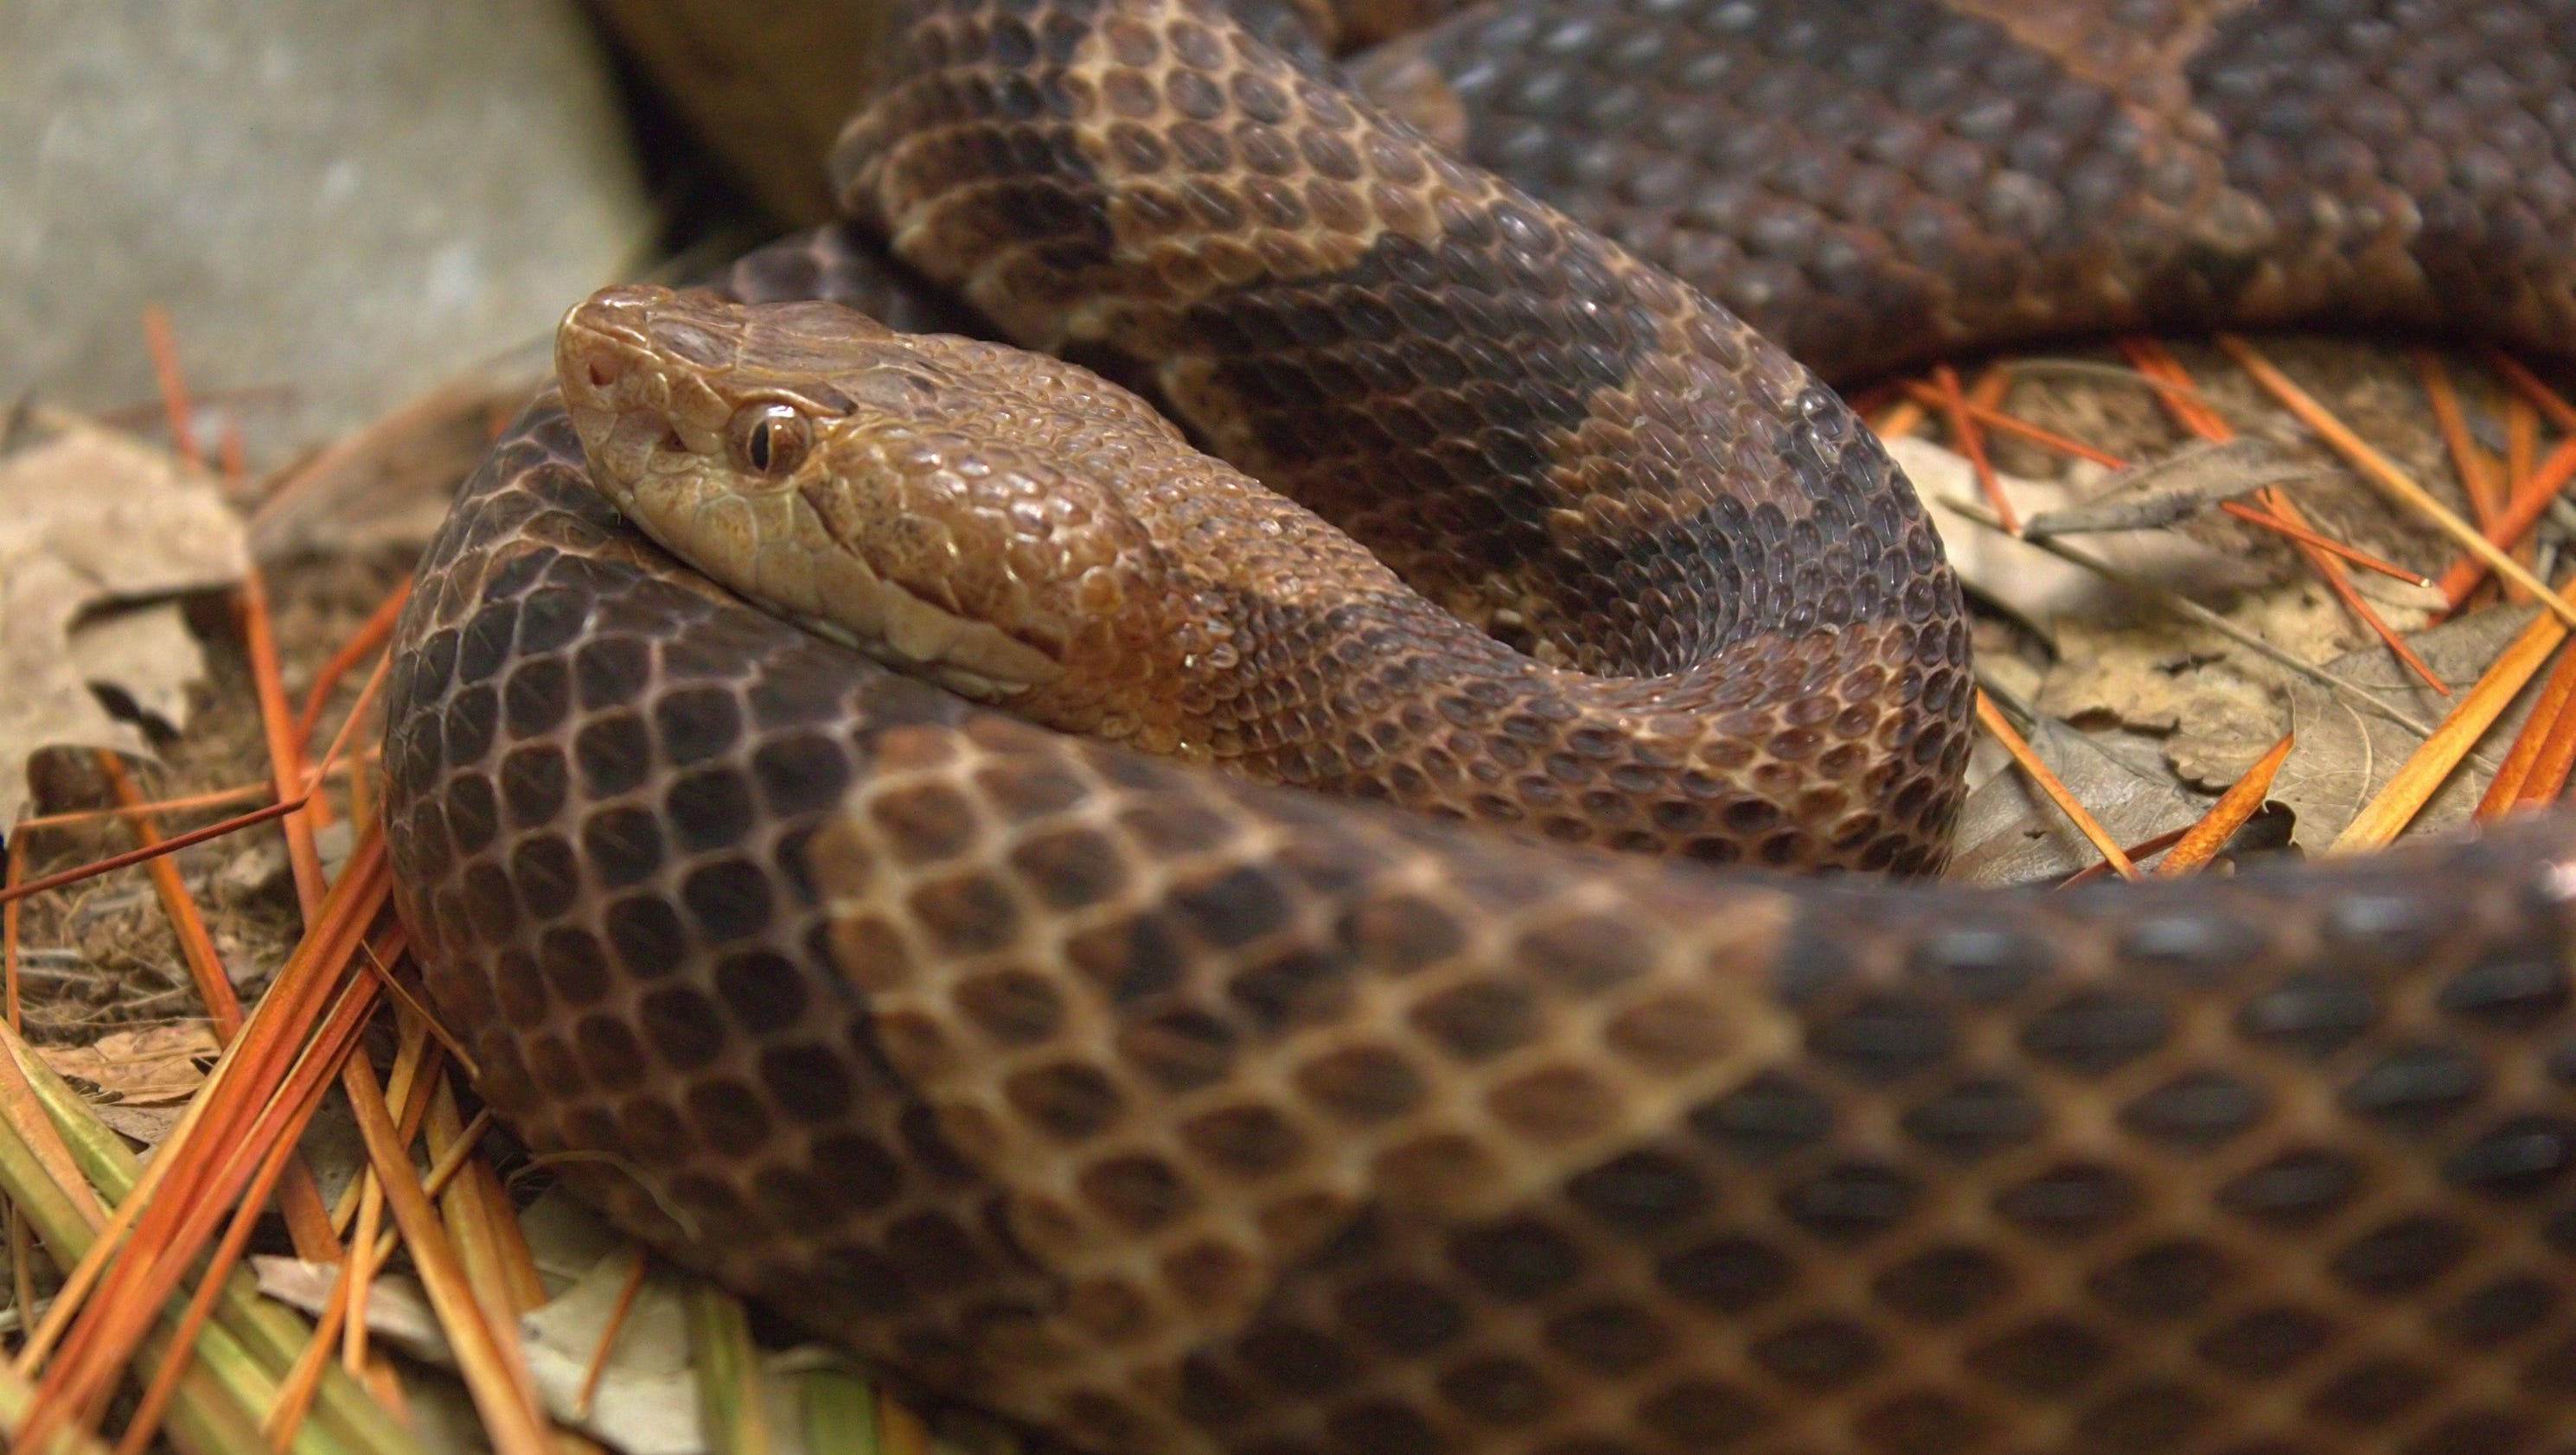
338, 202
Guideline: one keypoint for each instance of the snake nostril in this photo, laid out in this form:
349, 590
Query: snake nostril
602, 373
672, 442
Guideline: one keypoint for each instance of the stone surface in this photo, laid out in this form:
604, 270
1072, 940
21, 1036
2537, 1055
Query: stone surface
349, 199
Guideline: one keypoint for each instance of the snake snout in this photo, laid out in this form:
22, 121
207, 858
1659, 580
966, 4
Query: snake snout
637, 385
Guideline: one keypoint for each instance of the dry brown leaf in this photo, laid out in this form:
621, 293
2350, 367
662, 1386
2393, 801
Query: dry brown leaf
2009, 833
145, 655
396, 1308
2346, 752
647, 1399
87, 517
155, 1066
146, 1126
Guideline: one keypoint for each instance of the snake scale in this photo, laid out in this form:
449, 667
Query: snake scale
1169, 1111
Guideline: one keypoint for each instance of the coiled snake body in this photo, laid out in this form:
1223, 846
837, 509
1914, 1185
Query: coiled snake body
1173, 1112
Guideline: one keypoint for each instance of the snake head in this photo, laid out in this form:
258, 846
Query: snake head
667, 387
780, 449
1005, 524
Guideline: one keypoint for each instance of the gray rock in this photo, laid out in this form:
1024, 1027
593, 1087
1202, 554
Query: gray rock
350, 199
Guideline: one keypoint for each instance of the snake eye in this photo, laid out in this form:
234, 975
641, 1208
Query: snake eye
769, 438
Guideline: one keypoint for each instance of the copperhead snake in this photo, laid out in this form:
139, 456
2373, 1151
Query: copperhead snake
1170, 1111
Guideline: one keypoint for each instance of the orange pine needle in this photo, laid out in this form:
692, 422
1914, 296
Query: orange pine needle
2306, 535
116, 1291
2336, 581
2530, 501
303, 1379
900, 1429
164, 347
299, 1197
2548, 776
1993, 720
453, 1160
369, 1247
2201, 842
358, 1270
609, 1330
1921, 393
2405, 794
357, 1282
2476, 470
2155, 844
2521, 440
1971, 443
25, 1111
285, 754
370, 635
56, 880
196, 944
2393, 482
2151, 358
232, 456
494, 1374
9, 910
281, 1124
2506, 787
2519, 378
486, 1228
1900, 419
248, 1066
